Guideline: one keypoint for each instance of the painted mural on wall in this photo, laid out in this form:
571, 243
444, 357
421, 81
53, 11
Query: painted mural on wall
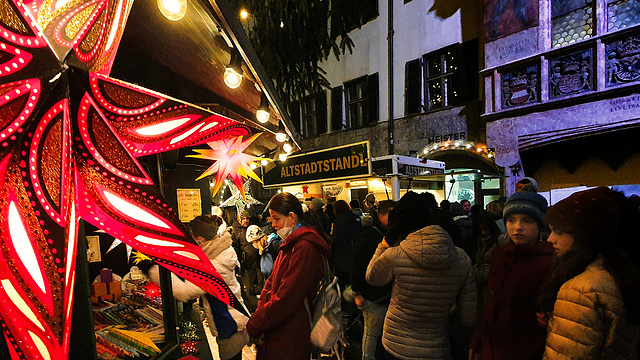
571, 74
506, 17
623, 61
520, 86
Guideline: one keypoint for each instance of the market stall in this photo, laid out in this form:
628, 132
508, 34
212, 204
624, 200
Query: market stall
81, 130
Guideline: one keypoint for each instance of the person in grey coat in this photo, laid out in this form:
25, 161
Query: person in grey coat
431, 277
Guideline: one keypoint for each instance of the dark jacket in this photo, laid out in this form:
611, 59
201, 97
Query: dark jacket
508, 328
346, 228
247, 254
281, 315
363, 251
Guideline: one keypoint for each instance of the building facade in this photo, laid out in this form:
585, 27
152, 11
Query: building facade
561, 82
410, 88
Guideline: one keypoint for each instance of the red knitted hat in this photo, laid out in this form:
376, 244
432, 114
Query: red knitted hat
591, 216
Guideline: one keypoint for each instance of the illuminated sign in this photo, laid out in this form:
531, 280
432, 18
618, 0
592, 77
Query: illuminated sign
344, 162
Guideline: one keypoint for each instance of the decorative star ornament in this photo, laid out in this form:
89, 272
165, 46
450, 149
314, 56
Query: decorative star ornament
236, 199
117, 242
229, 161
70, 137
139, 257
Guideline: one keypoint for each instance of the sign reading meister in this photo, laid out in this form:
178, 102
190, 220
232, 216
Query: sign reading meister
347, 161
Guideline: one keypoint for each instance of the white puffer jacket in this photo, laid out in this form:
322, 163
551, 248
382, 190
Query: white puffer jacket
588, 321
430, 275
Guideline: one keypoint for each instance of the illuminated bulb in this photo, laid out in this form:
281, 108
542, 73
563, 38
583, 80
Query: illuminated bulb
264, 162
232, 78
479, 149
446, 144
173, 10
262, 116
281, 137
490, 155
282, 157
244, 14
253, 166
458, 144
469, 146
211, 184
281, 24
287, 147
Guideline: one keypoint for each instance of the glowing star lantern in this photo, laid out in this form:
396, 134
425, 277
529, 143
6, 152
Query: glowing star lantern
151, 290
139, 257
70, 137
238, 200
229, 161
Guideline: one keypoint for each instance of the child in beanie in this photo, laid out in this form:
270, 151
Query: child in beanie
518, 270
592, 295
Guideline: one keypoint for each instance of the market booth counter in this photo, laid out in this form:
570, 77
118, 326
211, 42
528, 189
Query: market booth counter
81, 139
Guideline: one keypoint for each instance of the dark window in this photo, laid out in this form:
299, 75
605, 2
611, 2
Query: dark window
356, 102
353, 14
295, 115
314, 114
412, 87
336, 108
441, 78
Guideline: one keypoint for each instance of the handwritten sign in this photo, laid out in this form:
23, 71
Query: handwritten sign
189, 204
93, 249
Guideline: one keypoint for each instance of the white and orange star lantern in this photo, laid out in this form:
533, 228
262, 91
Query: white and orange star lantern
229, 161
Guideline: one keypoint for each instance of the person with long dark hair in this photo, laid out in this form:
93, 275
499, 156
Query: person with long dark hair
280, 326
518, 270
429, 274
593, 295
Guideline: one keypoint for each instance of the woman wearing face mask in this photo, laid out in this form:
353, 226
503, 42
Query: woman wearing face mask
281, 323
593, 296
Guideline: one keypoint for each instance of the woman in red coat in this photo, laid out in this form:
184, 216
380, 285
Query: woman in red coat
281, 322
509, 328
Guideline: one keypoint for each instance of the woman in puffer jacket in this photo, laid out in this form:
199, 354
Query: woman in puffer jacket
430, 276
225, 322
593, 295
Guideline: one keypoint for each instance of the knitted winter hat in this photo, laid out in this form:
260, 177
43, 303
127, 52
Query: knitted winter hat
528, 203
254, 233
590, 216
456, 209
201, 228
530, 184
316, 204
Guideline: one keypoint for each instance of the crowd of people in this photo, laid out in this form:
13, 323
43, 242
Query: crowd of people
516, 280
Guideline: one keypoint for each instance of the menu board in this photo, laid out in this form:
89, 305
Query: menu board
189, 204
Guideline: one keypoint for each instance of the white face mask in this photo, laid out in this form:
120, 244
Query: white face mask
285, 231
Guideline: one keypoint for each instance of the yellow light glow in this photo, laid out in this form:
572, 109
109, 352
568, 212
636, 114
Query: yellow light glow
133, 211
22, 244
244, 14
377, 185
262, 116
232, 78
287, 147
164, 127
282, 157
41, 346
156, 242
281, 137
173, 10
10, 290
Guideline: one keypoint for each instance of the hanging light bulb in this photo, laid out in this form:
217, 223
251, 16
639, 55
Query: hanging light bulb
281, 136
287, 147
233, 71
282, 156
253, 166
244, 14
263, 110
264, 162
173, 10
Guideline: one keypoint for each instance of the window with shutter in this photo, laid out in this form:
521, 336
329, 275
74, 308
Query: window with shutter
468, 71
356, 102
441, 78
314, 114
295, 115
373, 99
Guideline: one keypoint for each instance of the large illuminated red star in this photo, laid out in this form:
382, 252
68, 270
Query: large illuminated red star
229, 161
70, 137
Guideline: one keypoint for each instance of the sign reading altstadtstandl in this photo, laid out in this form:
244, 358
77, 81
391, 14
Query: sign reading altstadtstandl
344, 162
